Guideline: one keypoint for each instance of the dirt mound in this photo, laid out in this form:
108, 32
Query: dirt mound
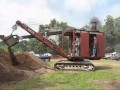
4, 58
30, 61
29, 65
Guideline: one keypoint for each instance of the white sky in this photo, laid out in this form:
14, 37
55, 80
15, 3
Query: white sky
34, 12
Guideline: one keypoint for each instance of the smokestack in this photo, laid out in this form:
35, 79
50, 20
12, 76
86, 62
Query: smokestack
95, 24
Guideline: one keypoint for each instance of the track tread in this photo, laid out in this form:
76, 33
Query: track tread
74, 66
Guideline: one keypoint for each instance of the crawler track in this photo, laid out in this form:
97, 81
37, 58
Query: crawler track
74, 66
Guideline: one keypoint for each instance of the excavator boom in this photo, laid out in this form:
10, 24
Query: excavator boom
80, 46
42, 39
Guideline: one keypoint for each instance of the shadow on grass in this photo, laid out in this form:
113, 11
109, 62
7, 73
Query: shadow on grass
102, 67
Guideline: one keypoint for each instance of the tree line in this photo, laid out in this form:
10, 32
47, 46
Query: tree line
111, 28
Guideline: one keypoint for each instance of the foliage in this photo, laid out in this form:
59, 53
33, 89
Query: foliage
20, 47
34, 44
3, 46
37, 46
112, 32
111, 29
54, 25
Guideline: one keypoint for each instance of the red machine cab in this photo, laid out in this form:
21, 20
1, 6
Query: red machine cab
85, 44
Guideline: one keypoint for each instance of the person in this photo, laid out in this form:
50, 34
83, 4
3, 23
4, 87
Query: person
94, 50
77, 45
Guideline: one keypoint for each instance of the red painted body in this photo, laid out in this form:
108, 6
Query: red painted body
84, 47
80, 50
86, 40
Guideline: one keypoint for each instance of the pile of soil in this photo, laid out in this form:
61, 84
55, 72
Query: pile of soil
28, 65
30, 61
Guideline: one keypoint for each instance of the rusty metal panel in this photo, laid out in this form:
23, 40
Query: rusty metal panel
100, 45
84, 44
73, 51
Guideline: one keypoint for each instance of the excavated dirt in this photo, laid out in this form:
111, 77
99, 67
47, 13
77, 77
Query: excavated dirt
28, 65
30, 61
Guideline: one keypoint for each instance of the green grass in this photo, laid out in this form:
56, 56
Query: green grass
69, 80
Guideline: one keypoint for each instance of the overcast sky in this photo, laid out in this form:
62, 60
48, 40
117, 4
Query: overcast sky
34, 12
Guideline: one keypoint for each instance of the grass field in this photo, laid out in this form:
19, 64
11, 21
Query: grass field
106, 70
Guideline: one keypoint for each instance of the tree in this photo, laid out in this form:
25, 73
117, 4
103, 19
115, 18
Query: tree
39, 47
112, 32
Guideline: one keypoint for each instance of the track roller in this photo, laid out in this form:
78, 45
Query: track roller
74, 66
